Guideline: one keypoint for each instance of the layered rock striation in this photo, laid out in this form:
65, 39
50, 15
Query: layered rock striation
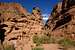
20, 25
62, 20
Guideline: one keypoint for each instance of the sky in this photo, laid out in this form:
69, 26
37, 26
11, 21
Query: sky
45, 5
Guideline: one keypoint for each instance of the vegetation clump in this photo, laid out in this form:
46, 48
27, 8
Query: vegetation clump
41, 40
8, 47
66, 42
37, 48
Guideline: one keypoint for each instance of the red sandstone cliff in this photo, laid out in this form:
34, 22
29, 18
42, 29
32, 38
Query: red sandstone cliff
21, 25
62, 20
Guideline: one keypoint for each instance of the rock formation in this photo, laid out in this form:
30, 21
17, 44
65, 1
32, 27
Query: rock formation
21, 25
62, 20
17, 26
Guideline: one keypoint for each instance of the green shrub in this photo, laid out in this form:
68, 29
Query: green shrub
44, 39
41, 40
9, 47
66, 42
37, 49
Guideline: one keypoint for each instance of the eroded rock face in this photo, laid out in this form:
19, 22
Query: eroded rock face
21, 25
62, 20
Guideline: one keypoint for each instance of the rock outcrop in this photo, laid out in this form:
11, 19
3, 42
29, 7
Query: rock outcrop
61, 23
21, 25
17, 26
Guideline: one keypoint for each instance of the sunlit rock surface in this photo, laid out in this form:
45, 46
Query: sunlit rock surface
21, 25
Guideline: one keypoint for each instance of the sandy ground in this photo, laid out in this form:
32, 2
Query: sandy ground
51, 47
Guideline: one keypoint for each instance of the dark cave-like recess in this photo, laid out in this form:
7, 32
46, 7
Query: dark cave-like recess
2, 31
63, 21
